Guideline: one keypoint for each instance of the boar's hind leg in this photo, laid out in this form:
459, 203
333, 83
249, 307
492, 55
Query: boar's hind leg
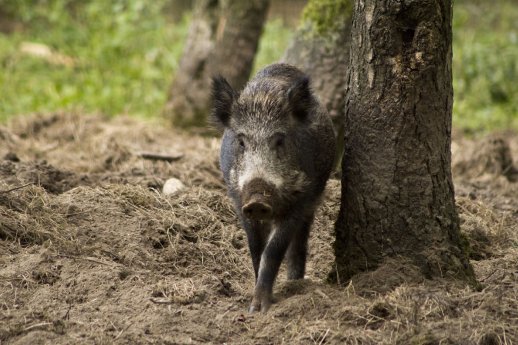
256, 233
274, 251
297, 251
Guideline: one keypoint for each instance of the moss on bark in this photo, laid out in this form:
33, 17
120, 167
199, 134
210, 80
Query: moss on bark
327, 16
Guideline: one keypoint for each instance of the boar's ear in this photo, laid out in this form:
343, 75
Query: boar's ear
299, 97
222, 96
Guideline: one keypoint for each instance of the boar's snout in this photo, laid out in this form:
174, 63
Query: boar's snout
258, 208
258, 198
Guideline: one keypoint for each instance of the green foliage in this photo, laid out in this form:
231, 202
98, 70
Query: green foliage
327, 16
123, 53
485, 65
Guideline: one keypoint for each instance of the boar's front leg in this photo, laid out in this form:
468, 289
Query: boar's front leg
257, 233
271, 258
298, 249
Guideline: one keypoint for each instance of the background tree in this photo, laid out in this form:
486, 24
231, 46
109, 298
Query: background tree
320, 47
7, 24
398, 201
223, 39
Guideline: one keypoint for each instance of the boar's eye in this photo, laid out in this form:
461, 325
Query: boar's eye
278, 141
241, 142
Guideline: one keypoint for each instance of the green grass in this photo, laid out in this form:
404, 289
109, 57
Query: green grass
125, 54
485, 65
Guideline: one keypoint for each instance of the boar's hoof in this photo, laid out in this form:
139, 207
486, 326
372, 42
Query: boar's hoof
257, 210
258, 305
253, 308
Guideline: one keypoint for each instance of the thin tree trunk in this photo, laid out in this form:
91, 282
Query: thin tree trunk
398, 207
320, 48
223, 39
8, 23
322, 57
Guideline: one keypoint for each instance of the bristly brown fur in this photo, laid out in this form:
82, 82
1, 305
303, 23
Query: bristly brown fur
278, 146
223, 97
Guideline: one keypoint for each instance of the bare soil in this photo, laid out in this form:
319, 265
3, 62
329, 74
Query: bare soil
91, 251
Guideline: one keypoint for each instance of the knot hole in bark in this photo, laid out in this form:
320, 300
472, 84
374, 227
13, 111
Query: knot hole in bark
406, 27
414, 34
407, 35
418, 26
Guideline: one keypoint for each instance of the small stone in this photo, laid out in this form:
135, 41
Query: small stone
11, 156
172, 186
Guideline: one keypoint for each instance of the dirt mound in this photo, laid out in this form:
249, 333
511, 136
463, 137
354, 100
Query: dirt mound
39, 173
92, 252
487, 159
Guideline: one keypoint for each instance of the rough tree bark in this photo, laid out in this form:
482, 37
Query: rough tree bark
223, 39
398, 214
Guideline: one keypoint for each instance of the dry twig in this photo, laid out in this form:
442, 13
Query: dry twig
160, 156
15, 188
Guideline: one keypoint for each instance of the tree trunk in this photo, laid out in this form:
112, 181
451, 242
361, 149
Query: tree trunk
398, 213
8, 23
223, 39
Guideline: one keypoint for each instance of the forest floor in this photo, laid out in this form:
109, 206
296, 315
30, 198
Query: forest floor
91, 251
